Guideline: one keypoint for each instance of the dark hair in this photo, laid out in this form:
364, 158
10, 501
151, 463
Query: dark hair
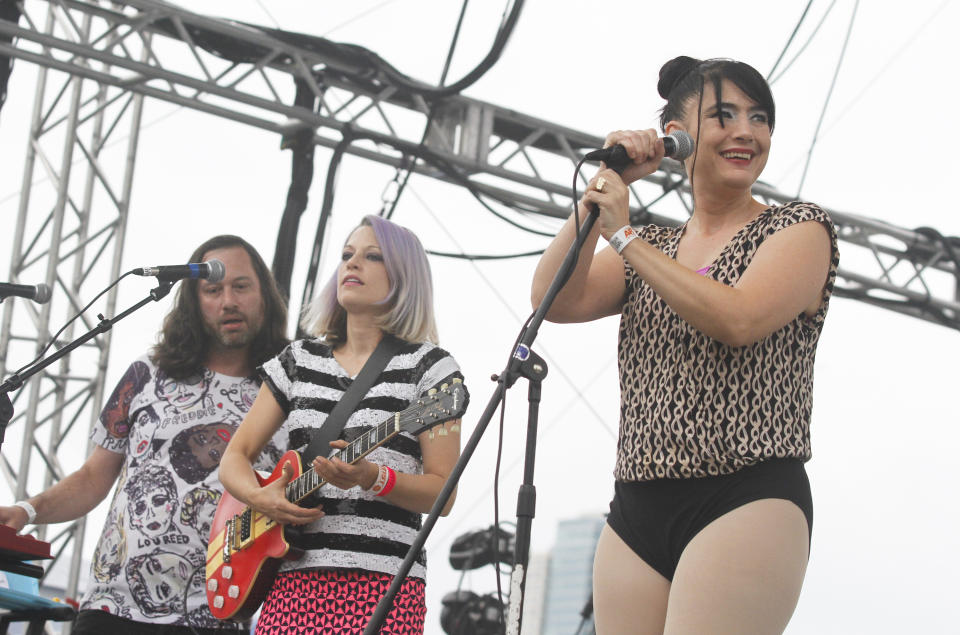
184, 462
183, 343
150, 479
684, 77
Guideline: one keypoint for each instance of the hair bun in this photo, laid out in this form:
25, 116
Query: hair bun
673, 71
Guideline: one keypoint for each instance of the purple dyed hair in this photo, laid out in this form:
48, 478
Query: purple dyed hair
409, 315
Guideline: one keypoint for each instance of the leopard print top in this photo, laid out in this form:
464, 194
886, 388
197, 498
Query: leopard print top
692, 406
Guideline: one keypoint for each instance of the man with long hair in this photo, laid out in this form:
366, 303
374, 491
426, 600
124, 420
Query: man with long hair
159, 438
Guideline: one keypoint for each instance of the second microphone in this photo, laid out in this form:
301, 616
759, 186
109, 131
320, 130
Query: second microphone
213, 271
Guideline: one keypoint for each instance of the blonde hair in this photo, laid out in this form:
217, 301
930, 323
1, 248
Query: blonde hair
410, 300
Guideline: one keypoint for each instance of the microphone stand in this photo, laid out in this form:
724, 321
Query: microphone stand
523, 363
16, 380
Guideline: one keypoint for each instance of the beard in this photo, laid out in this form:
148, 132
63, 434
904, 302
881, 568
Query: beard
225, 340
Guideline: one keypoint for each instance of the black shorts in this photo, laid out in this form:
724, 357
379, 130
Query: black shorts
657, 519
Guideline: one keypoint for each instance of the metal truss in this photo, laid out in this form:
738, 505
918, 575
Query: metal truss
70, 229
112, 55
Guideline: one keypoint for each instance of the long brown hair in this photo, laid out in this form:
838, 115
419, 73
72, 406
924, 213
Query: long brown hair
183, 343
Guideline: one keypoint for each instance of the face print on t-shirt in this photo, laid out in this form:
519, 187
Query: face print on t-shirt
195, 452
111, 550
198, 508
114, 413
110, 601
182, 395
151, 501
156, 578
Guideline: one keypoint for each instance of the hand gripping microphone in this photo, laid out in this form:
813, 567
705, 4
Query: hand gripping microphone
213, 271
39, 293
676, 145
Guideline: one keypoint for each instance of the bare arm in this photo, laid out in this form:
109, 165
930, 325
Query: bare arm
595, 289
74, 496
236, 466
414, 492
597, 286
785, 279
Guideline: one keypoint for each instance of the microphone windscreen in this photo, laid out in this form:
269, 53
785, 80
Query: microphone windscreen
682, 145
42, 296
216, 270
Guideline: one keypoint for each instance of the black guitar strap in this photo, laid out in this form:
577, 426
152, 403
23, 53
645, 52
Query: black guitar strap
333, 425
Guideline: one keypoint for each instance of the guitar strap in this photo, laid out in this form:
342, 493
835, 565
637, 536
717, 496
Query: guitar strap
333, 425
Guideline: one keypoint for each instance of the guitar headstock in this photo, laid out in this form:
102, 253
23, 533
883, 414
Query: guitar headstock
437, 406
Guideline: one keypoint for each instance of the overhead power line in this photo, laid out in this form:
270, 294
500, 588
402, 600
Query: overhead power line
826, 102
803, 48
790, 39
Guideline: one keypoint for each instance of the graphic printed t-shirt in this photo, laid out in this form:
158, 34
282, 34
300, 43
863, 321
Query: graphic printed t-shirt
172, 433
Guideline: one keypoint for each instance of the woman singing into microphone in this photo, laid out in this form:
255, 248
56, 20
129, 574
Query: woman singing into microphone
709, 526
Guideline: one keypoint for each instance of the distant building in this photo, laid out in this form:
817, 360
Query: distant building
535, 593
569, 583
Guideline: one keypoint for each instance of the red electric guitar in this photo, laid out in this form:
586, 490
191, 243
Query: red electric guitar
246, 547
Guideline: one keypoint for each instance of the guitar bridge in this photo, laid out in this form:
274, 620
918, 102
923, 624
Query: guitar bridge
228, 542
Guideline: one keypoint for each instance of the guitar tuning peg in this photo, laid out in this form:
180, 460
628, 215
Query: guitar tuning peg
432, 391
431, 435
443, 432
457, 380
443, 387
455, 427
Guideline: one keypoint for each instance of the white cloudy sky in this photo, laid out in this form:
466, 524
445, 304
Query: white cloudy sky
885, 548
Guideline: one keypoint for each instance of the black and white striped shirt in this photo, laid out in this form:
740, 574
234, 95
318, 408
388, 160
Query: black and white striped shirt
359, 530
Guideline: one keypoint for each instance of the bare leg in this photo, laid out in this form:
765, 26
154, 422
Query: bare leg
629, 597
742, 573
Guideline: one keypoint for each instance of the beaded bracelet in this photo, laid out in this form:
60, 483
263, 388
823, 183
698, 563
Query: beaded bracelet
622, 237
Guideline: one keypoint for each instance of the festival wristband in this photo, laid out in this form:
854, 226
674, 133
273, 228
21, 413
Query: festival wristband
386, 479
622, 237
391, 481
27, 507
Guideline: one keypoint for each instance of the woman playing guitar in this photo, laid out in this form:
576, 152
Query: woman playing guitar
354, 540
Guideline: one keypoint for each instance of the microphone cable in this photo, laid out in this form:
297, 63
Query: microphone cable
68, 323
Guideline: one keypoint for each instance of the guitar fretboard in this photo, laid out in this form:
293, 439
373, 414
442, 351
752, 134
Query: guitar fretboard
308, 482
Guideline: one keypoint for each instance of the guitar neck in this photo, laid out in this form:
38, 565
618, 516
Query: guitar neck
309, 482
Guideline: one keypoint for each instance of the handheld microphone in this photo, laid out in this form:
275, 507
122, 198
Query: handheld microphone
676, 145
212, 270
39, 293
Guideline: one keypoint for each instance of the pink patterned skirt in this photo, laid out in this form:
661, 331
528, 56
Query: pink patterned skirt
335, 602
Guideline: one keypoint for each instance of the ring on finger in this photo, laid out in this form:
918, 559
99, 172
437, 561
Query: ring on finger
601, 182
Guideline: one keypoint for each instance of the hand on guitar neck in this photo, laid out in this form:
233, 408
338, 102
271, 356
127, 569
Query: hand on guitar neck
345, 475
271, 501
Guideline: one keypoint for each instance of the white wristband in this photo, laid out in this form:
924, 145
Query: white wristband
622, 237
27, 507
382, 475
